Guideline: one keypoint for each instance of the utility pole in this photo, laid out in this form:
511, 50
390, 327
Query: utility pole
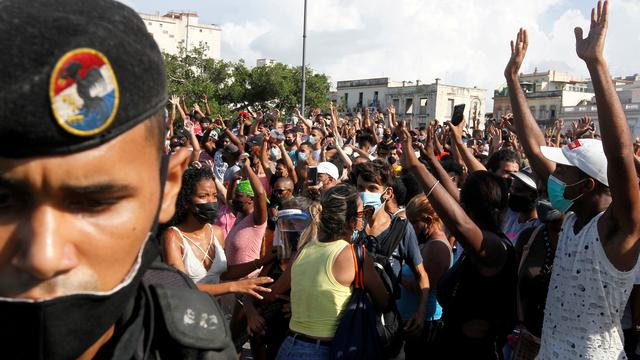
304, 50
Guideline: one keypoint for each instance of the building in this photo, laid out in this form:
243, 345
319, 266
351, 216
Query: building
415, 102
265, 62
629, 93
183, 29
547, 93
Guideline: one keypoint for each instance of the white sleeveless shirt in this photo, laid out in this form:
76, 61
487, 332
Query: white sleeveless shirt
194, 267
586, 299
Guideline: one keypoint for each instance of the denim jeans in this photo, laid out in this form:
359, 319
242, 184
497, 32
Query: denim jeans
295, 350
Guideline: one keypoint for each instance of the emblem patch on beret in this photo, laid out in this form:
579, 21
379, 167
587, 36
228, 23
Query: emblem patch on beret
84, 92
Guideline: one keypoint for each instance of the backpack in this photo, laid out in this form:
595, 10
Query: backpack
356, 337
388, 323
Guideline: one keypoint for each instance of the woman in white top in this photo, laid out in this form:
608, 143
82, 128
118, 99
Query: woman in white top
196, 247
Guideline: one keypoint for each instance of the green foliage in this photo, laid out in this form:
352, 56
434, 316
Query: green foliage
232, 86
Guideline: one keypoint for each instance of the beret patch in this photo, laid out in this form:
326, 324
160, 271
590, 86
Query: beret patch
84, 92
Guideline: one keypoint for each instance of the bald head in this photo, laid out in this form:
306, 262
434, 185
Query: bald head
284, 183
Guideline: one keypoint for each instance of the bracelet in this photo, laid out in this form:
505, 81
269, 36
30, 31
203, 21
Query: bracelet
433, 187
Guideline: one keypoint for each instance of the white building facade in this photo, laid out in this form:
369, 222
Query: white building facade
176, 29
415, 102
629, 97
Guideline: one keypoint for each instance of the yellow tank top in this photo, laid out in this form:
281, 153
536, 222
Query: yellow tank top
317, 298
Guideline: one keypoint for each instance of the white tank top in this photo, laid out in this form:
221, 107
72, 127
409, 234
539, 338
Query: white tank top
195, 268
586, 299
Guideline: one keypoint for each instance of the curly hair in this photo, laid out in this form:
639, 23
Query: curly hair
190, 178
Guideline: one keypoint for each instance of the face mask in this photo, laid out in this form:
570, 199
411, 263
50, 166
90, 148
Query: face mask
391, 160
379, 132
521, 203
207, 212
275, 153
556, 188
302, 156
289, 142
421, 138
311, 140
372, 199
65, 327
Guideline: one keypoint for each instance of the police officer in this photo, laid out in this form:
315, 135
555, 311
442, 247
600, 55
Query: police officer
83, 184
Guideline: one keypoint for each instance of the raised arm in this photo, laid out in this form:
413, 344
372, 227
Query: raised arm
445, 180
527, 129
472, 163
260, 196
287, 160
264, 158
206, 104
307, 124
195, 155
622, 218
487, 251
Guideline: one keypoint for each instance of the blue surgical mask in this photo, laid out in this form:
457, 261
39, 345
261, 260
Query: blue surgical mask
311, 140
302, 156
555, 189
372, 199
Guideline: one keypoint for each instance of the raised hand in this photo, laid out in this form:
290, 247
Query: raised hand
585, 123
590, 48
174, 100
196, 107
518, 52
204, 98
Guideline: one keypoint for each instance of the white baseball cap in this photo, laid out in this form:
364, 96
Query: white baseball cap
585, 154
329, 169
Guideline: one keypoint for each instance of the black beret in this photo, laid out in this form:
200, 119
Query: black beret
75, 74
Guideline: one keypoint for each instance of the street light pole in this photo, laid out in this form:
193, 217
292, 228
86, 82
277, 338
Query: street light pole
304, 50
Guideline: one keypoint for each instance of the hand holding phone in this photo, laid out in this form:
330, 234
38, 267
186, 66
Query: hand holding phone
458, 114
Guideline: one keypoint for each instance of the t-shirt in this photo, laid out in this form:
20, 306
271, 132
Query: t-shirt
512, 228
228, 175
244, 242
407, 249
586, 298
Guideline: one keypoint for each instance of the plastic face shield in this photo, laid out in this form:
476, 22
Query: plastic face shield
291, 223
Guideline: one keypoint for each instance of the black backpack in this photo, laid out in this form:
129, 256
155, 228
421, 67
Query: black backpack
388, 322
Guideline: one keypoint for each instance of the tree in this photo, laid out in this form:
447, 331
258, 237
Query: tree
232, 87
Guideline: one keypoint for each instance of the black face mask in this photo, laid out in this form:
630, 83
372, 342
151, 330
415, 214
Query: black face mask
65, 327
521, 203
207, 212
289, 142
391, 160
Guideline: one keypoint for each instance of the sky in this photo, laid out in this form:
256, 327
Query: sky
463, 42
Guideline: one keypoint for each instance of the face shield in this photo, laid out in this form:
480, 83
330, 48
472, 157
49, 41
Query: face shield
290, 224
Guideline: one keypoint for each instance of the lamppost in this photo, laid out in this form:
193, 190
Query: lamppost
304, 50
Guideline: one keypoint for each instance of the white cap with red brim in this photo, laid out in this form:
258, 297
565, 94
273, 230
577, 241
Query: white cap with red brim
585, 154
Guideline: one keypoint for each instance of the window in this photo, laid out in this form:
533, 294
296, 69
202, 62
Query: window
450, 105
200, 30
160, 25
375, 99
396, 105
423, 106
543, 111
346, 100
408, 106
552, 111
360, 97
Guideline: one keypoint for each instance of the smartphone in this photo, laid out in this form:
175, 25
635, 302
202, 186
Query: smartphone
312, 174
458, 114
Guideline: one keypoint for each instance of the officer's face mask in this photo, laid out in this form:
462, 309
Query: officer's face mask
65, 327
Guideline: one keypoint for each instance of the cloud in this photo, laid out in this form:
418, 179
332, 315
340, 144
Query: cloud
464, 42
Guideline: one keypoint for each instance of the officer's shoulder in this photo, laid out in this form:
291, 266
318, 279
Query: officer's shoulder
191, 317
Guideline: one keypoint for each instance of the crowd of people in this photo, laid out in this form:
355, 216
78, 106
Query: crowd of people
307, 236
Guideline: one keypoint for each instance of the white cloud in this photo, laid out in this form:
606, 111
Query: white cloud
464, 42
